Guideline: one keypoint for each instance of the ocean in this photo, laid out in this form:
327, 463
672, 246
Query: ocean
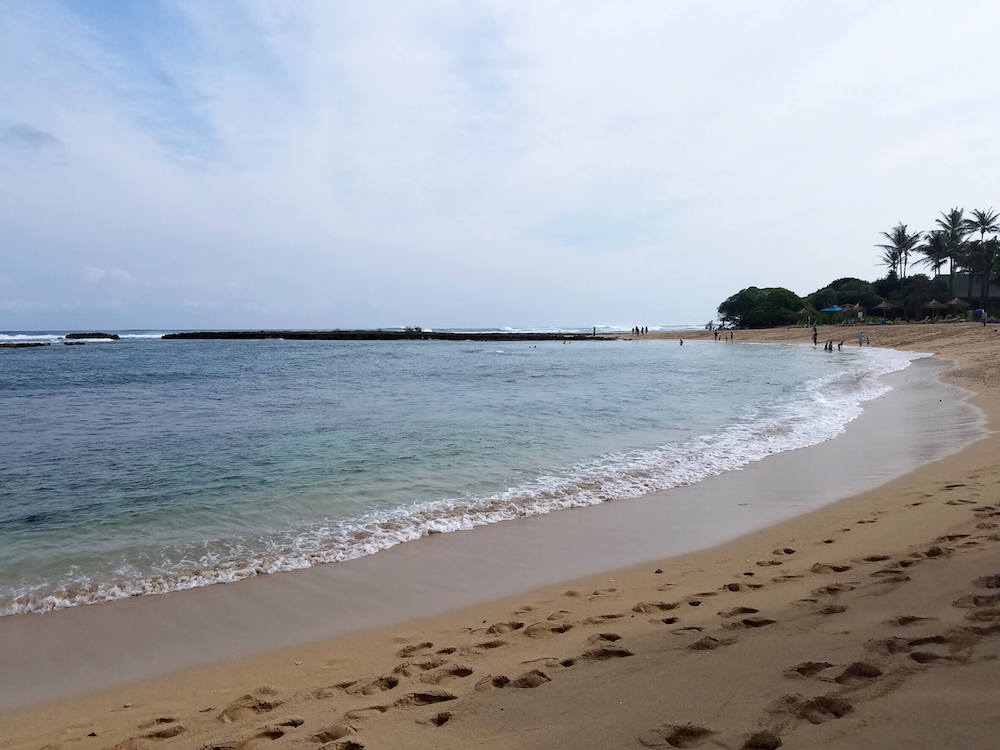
142, 466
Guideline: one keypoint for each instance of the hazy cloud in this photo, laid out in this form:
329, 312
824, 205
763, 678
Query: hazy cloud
483, 163
22, 136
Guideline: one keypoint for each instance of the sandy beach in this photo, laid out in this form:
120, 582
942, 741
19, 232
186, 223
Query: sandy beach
872, 621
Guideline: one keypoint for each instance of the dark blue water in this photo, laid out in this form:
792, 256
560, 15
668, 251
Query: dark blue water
143, 466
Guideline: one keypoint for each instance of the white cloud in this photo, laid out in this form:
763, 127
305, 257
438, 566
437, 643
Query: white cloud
457, 163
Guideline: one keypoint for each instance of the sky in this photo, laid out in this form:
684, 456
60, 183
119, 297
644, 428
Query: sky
374, 164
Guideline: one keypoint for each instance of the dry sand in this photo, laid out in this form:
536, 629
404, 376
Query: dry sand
872, 622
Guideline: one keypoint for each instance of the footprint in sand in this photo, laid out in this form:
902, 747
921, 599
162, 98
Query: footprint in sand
738, 611
769, 563
708, 643
492, 681
261, 738
833, 589
756, 622
423, 698
601, 619
649, 608
437, 720
414, 649
604, 637
970, 601
763, 740
373, 687
445, 674
807, 669
248, 705
408, 669
676, 735
332, 733
498, 628
904, 620
857, 673
546, 629
488, 645
531, 679
820, 709
603, 653
828, 568
687, 630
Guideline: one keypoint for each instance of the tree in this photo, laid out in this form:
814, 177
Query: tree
760, 308
935, 251
982, 257
845, 291
891, 258
896, 254
984, 221
952, 224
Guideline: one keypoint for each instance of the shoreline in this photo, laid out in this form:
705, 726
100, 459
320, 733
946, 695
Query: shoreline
370, 642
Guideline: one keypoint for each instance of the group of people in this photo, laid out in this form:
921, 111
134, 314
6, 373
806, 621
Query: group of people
722, 335
863, 339
639, 330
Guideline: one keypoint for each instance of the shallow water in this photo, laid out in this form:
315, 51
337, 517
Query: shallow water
144, 466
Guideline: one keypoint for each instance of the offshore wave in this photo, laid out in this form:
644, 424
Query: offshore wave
819, 411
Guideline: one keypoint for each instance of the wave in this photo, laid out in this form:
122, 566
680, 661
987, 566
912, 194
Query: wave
819, 411
31, 337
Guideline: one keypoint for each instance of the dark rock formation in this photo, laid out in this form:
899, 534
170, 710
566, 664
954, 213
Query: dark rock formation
338, 335
92, 336
21, 344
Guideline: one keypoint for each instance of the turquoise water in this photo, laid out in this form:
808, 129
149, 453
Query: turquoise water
143, 466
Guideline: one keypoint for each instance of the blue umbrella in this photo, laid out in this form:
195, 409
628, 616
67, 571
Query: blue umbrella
831, 308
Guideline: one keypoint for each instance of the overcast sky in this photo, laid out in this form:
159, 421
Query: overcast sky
335, 164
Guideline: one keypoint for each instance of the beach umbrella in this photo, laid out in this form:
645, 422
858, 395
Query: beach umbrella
885, 305
831, 309
956, 302
934, 306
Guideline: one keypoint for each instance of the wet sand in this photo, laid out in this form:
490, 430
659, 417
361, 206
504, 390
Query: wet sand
358, 687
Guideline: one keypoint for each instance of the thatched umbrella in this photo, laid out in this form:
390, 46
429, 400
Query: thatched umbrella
934, 306
884, 306
959, 303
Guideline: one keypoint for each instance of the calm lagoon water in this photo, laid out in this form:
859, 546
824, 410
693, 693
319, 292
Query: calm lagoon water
143, 466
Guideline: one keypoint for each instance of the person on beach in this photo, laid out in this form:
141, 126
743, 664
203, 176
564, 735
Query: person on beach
815, 336
861, 338
682, 342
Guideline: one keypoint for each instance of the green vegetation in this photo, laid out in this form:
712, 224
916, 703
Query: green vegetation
760, 308
952, 244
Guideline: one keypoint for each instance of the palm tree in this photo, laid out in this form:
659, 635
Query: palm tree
985, 222
890, 257
901, 244
953, 226
934, 250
